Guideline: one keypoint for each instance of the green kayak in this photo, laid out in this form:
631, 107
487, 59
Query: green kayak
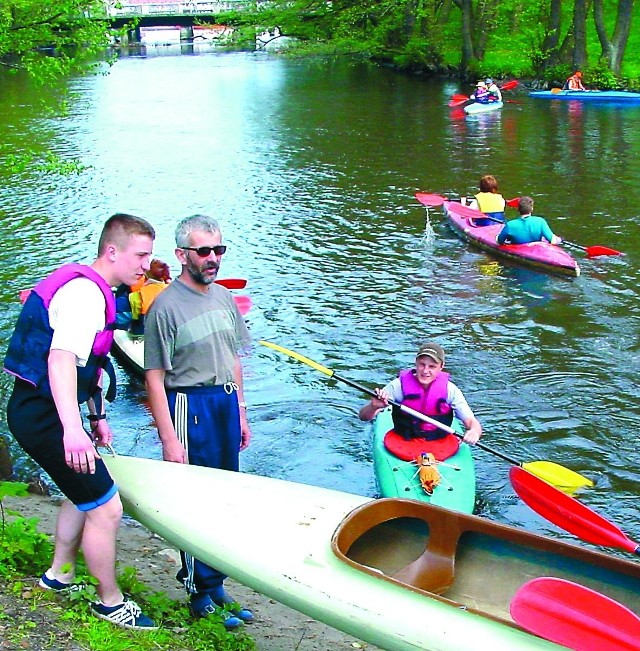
398, 478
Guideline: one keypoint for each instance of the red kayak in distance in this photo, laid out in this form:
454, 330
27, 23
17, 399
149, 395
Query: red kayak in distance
541, 256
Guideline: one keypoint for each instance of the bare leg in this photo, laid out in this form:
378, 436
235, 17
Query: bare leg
69, 527
99, 548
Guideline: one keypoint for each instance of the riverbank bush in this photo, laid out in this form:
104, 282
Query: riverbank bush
35, 619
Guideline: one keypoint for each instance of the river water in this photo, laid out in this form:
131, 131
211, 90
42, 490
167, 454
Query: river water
311, 167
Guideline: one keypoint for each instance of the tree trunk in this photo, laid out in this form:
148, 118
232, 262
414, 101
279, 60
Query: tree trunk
467, 31
579, 34
554, 24
613, 49
6, 466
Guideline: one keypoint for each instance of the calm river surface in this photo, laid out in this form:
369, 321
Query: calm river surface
311, 168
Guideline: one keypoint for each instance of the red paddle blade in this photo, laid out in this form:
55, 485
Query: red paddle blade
595, 251
232, 283
566, 512
574, 616
513, 202
459, 98
510, 85
431, 200
458, 102
244, 303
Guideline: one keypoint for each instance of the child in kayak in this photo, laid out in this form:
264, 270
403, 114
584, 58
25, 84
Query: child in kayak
489, 201
425, 388
527, 228
481, 93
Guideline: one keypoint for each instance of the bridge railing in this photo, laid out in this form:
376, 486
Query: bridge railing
173, 8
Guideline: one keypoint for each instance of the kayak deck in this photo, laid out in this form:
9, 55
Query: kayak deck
542, 256
398, 478
129, 350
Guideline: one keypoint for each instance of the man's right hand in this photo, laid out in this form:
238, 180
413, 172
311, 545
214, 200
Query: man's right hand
174, 451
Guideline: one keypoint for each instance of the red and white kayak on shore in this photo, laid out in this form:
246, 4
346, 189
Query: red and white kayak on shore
542, 256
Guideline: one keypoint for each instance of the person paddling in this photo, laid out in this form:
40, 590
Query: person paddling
481, 93
574, 82
427, 388
495, 95
527, 228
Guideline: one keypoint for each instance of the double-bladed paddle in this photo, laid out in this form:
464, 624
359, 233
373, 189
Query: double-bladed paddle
574, 616
550, 471
567, 512
434, 200
459, 99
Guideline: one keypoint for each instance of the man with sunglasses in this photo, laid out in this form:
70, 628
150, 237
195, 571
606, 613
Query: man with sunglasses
193, 332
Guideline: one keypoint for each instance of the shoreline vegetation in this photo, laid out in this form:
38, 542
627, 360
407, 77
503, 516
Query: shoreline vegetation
468, 39
31, 618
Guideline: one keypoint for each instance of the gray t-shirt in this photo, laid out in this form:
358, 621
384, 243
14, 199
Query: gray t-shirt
194, 337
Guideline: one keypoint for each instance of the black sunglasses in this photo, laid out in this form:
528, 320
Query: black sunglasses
205, 251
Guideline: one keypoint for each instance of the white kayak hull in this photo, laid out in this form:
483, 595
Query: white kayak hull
479, 107
275, 537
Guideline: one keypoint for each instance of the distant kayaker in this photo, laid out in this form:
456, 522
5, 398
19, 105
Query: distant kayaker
193, 333
574, 82
425, 388
481, 93
527, 228
495, 95
489, 201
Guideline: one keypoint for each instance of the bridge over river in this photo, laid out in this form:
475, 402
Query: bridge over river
169, 13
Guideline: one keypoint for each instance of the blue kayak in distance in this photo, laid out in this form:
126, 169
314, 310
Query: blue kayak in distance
480, 107
617, 96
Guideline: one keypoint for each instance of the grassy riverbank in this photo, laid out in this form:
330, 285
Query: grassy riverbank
33, 619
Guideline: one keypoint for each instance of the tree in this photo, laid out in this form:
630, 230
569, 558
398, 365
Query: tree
579, 34
479, 19
613, 49
49, 39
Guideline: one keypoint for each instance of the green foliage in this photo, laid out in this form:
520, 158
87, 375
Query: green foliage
24, 552
600, 76
51, 39
54, 164
22, 547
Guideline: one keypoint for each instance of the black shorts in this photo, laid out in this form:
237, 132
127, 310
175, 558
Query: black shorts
33, 421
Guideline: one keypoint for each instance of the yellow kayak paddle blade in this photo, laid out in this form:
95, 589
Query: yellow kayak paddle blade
566, 480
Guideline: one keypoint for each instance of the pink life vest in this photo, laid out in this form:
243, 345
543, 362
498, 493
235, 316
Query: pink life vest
431, 401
